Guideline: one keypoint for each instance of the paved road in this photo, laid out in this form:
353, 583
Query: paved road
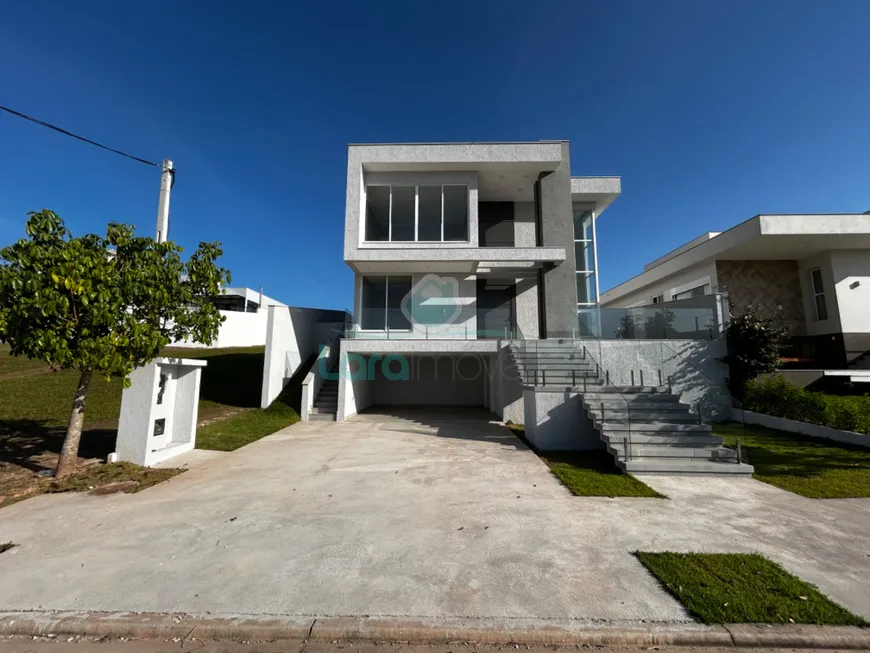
387, 516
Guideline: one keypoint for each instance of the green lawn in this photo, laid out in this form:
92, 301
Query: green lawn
246, 427
590, 473
725, 588
811, 467
35, 404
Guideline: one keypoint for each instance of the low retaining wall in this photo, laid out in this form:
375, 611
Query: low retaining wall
793, 426
555, 420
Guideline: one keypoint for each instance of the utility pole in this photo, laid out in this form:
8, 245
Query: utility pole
166, 180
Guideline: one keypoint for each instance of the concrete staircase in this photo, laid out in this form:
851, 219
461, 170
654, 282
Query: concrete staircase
326, 402
645, 428
554, 362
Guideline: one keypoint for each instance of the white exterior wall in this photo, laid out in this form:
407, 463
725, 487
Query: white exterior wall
238, 330
691, 277
851, 282
292, 336
832, 324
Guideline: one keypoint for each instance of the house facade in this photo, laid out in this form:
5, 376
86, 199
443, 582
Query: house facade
475, 281
812, 272
456, 249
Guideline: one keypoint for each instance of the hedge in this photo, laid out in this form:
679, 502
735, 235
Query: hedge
775, 396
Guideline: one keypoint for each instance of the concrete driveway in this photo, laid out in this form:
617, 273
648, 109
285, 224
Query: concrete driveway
406, 515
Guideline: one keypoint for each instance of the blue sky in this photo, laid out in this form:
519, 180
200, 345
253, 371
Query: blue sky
711, 112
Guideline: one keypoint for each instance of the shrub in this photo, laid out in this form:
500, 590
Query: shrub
775, 396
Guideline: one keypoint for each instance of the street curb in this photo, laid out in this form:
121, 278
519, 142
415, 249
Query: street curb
427, 630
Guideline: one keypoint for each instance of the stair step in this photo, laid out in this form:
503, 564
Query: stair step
710, 452
637, 405
321, 417
622, 414
673, 466
618, 427
676, 439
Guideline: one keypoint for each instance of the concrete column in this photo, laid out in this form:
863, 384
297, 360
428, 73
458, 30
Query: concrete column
557, 229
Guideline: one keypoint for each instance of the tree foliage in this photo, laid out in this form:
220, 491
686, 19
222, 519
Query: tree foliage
103, 305
755, 345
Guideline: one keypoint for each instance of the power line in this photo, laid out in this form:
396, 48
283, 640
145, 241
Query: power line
81, 138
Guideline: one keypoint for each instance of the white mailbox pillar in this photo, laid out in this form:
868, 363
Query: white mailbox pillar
159, 411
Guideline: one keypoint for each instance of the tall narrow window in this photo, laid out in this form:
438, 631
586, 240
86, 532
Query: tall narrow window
402, 213
429, 213
819, 294
373, 315
378, 213
584, 259
456, 213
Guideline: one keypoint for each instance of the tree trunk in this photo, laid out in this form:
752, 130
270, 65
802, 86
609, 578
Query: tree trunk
69, 453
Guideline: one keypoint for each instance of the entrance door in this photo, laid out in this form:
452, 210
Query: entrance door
495, 308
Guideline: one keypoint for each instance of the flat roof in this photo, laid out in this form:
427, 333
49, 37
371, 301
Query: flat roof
762, 237
458, 143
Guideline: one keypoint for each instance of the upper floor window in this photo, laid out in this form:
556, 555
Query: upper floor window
819, 294
584, 258
417, 213
698, 291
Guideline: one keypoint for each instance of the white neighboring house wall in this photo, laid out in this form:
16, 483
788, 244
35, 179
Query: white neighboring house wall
680, 281
240, 328
293, 335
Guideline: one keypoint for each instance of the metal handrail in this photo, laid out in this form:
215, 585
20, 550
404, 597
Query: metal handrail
734, 400
627, 443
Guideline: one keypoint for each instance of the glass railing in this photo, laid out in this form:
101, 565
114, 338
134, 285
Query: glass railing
394, 324
648, 323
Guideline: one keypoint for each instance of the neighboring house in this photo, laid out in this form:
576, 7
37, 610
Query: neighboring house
245, 300
244, 322
810, 271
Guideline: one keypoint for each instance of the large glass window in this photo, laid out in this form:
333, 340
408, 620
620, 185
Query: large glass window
381, 303
417, 213
584, 258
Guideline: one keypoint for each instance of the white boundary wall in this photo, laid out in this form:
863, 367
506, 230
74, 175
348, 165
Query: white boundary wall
293, 335
238, 330
793, 426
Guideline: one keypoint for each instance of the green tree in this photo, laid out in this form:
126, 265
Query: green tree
102, 306
755, 345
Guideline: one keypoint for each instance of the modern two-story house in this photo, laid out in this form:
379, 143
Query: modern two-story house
455, 249
476, 287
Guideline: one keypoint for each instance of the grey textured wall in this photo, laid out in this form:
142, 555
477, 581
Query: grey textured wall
557, 228
557, 421
696, 374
